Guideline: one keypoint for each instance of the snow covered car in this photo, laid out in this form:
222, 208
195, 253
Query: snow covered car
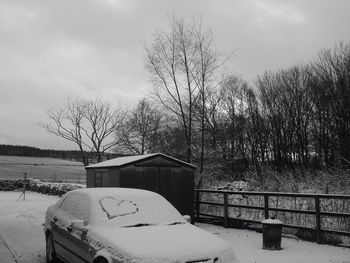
109, 225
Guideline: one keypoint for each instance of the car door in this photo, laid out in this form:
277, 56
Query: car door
55, 219
71, 244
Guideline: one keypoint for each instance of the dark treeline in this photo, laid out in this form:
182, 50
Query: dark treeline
19, 150
27, 151
301, 115
295, 117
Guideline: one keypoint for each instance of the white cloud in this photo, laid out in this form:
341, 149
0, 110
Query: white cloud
50, 50
123, 5
272, 11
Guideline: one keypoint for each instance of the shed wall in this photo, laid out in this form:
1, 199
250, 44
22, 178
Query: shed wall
90, 178
172, 180
175, 184
108, 177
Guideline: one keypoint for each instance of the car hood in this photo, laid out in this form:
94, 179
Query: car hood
162, 243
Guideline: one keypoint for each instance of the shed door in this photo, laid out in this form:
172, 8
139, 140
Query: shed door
101, 179
149, 178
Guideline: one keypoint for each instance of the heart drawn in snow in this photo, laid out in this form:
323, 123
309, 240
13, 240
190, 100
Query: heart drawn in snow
115, 208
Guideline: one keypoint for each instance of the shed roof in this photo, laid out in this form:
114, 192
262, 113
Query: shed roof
127, 160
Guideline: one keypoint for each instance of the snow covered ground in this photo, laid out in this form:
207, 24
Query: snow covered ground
21, 224
52, 169
248, 248
21, 228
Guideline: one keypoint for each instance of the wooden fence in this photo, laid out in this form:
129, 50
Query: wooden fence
317, 213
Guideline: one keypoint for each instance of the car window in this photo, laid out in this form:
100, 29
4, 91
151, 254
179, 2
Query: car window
76, 205
59, 202
133, 210
116, 208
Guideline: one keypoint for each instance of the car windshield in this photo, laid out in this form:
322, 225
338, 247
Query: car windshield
138, 210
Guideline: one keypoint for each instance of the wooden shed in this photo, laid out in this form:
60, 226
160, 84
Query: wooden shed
170, 177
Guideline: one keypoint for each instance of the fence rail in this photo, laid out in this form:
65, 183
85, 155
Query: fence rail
316, 212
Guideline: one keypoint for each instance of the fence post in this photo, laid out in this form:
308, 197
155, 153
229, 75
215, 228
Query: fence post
225, 211
197, 205
266, 206
318, 220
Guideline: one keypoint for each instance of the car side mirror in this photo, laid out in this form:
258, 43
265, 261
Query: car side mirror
78, 225
187, 218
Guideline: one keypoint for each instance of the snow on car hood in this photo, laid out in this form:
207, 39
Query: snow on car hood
162, 243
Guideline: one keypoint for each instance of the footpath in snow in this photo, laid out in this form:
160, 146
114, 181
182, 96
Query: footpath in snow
6, 255
21, 228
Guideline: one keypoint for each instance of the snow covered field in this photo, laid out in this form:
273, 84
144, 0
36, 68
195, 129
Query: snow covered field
51, 169
21, 228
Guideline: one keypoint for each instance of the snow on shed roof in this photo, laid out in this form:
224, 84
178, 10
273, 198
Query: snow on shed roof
121, 161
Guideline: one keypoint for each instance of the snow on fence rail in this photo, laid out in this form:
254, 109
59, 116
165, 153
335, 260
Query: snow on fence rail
330, 214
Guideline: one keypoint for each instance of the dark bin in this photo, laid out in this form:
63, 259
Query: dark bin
272, 233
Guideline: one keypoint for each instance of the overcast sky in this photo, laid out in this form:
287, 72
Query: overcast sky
50, 50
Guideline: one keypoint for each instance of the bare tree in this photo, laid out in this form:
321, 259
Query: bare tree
91, 124
140, 129
203, 77
333, 71
180, 61
233, 104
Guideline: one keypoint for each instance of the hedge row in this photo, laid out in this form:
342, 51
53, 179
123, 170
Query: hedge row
36, 185
10, 185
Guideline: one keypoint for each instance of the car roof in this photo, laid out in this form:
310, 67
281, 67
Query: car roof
113, 191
